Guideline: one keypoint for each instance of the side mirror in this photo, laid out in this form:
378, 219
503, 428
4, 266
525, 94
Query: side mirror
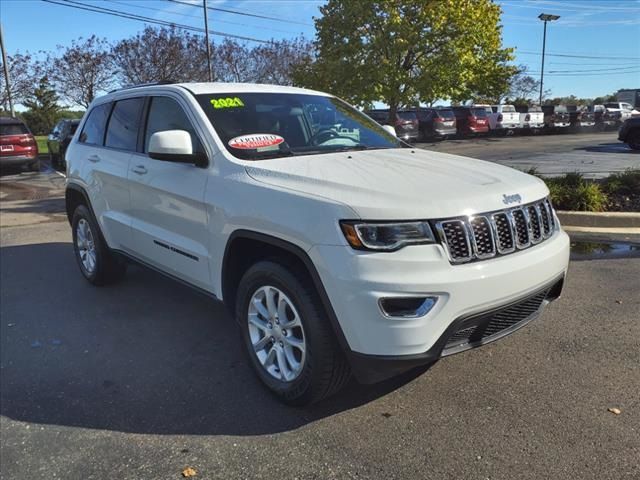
390, 129
175, 146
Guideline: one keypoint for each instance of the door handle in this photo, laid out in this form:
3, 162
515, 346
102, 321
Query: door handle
139, 169
94, 158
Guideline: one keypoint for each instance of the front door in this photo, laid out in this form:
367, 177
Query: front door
169, 218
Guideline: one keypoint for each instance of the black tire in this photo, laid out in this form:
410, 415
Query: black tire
35, 166
109, 267
633, 140
324, 368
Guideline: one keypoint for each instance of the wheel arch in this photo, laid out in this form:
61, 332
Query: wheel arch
75, 195
245, 247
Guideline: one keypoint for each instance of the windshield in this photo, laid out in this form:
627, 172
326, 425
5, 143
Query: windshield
508, 108
255, 126
479, 112
611, 105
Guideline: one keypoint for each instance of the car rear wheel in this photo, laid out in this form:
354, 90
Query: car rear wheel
97, 263
35, 166
287, 335
634, 140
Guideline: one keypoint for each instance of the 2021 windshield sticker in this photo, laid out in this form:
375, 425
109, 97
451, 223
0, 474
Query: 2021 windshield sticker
256, 141
228, 102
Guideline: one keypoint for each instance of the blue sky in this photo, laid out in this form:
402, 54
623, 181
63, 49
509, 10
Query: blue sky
606, 29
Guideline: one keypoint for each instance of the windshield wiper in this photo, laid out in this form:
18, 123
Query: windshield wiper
272, 154
334, 149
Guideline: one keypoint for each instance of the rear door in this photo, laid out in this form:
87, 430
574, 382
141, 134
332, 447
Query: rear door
104, 147
167, 200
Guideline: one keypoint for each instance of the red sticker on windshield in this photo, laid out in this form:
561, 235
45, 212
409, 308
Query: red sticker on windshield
255, 140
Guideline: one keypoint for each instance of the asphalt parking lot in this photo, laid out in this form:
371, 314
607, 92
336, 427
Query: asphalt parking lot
142, 379
594, 154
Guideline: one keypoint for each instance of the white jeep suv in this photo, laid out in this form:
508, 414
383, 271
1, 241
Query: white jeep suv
336, 249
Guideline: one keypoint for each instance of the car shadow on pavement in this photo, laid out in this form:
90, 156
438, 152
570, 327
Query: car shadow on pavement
609, 148
148, 355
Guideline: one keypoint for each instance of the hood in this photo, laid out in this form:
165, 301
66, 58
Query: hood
401, 184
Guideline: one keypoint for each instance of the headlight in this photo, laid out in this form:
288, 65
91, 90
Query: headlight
386, 236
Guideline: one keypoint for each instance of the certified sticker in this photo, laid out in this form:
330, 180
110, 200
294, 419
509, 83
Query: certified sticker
255, 141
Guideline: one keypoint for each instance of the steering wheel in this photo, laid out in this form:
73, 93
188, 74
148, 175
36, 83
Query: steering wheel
325, 135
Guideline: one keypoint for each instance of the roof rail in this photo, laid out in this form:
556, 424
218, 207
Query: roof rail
161, 82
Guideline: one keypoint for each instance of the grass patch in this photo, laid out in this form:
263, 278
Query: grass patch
42, 144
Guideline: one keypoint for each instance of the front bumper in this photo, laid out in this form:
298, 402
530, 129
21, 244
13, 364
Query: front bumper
356, 280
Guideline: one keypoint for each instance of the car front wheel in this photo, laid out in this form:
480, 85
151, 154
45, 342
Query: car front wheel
287, 335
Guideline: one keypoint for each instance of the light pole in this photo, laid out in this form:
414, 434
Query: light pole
545, 17
206, 39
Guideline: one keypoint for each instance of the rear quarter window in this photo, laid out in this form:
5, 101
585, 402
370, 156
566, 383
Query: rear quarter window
94, 127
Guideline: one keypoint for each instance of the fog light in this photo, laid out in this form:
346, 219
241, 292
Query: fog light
407, 307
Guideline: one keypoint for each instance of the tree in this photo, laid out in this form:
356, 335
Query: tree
82, 70
275, 62
403, 52
160, 54
43, 108
523, 86
232, 62
23, 73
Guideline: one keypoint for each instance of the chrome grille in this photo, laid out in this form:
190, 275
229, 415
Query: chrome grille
484, 236
457, 238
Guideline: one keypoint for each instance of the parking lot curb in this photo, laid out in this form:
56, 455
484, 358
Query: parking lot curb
601, 220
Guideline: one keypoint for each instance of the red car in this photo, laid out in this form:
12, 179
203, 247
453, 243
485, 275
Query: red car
18, 147
471, 120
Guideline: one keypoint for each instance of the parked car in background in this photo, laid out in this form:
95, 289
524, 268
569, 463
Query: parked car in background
556, 117
530, 118
471, 120
629, 133
435, 123
405, 125
626, 109
503, 118
58, 141
604, 119
18, 147
334, 253
580, 117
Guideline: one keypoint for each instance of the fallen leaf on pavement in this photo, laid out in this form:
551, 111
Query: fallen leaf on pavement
189, 472
615, 411
619, 302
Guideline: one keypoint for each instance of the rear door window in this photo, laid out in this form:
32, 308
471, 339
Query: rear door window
94, 127
124, 124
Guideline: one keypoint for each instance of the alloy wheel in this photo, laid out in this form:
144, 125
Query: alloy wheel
276, 333
86, 246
